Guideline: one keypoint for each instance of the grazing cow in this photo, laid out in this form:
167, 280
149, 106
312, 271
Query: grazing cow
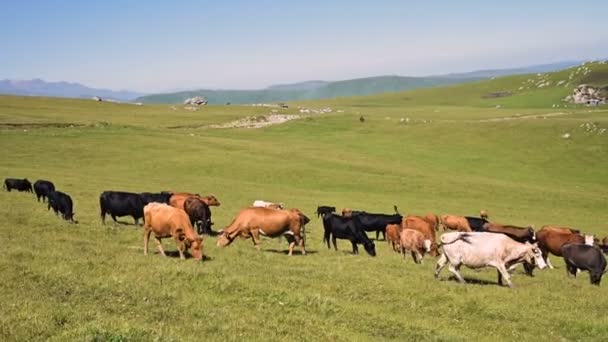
323, 209
453, 222
61, 203
199, 214
18, 184
166, 221
340, 227
586, 258
423, 226
160, 197
43, 188
119, 203
477, 224
253, 222
551, 239
375, 222
480, 249
415, 242
393, 236
519, 234
483, 214
178, 198
264, 204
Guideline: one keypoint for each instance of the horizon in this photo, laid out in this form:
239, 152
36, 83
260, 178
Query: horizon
242, 45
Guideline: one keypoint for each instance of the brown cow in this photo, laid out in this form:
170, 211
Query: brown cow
199, 213
347, 212
453, 222
422, 225
251, 222
393, 236
166, 221
519, 234
178, 198
415, 242
433, 220
551, 239
483, 214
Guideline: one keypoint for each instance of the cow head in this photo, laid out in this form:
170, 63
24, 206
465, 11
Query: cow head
589, 240
370, 248
211, 200
346, 212
534, 256
195, 245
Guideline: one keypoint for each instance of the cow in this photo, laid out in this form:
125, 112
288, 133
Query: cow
264, 204
519, 234
393, 236
120, 203
453, 222
586, 258
43, 188
254, 221
483, 214
165, 221
423, 226
415, 242
477, 224
18, 184
481, 249
178, 198
375, 222
159, 197
433, 220
323, 210
551, 239
199, 214
61, 203
340, 227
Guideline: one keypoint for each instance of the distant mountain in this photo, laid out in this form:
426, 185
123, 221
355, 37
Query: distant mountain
514, 71
38, 87
356, 87
307, 90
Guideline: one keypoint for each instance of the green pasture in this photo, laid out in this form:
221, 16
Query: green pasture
92, 282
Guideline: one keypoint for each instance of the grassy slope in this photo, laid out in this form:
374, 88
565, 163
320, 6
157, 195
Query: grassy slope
83, 281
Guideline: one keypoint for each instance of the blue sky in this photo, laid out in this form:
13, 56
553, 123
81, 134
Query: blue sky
162, 45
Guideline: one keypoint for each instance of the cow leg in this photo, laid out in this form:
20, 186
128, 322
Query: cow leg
255, 236
413, 253
326, 238
136, 221
454, 270
503, 274
419, 257
103, 215
300, 242
570, 269
146, 239
159, 245
545, 256
114, 218
529, 269
333, 240
440, 264
355, 248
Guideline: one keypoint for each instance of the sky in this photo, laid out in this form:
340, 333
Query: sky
154, 46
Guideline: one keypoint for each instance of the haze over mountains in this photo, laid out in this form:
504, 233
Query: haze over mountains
316, 89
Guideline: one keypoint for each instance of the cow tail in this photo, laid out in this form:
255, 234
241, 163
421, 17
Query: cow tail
464, 237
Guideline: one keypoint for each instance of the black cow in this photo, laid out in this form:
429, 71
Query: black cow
586, 258
199, 213
477, 224
43, 188
340, 227
18, 184
375, 222
323, 209
119, 203
161, 197
61, 203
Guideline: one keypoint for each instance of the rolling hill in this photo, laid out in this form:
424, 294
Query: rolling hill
38, 87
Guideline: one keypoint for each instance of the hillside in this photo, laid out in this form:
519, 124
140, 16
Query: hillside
306, 91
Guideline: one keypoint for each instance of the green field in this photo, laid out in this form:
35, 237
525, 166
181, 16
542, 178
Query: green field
460, 151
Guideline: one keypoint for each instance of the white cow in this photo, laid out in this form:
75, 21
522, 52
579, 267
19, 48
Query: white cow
477, 249
264, 204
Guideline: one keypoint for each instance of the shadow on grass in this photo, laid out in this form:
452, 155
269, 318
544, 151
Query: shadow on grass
286, 251
175, 254
475, 281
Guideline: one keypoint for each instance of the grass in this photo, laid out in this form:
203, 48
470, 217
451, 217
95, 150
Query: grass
92, 282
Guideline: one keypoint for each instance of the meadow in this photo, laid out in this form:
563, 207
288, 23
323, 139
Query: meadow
457, 153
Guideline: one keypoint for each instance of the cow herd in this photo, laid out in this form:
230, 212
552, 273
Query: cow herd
471, 241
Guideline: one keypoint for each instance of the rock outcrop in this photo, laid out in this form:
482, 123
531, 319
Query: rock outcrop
586, 94
196, 101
